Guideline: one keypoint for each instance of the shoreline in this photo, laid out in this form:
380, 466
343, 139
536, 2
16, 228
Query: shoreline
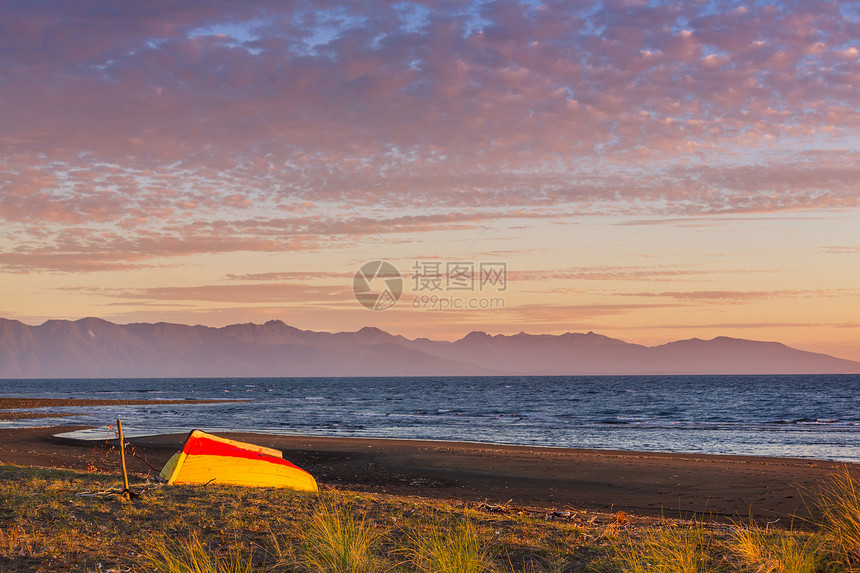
673, 485
17, 408
7, 404
133, 435
652, 484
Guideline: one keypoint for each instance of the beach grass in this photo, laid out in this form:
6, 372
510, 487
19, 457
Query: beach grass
839, 501
449, 546
340, 541
763, 551
52, 520
191, 555
666, 550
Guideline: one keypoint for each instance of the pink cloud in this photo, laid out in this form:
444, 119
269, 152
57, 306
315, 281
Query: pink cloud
289, 276
263, 293
165, 124
483, 86
560, 314
92, 248
731, 296
613, 273
841, 250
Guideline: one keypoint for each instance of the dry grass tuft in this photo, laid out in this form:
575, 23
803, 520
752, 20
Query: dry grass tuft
665, 550
453, 546
775, 551
192, 556
338, 541
839, 502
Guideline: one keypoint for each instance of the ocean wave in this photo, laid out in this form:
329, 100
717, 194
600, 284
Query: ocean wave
742, 415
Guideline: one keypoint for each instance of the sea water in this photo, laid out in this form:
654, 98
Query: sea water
791, 416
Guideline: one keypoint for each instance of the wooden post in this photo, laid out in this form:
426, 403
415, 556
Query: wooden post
126, 492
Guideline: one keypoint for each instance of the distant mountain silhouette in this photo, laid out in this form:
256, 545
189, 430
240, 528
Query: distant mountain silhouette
95, 348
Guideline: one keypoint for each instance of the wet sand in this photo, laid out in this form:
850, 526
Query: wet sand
7, 404
648, 484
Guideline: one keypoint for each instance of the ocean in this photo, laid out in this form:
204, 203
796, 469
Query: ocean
815, 417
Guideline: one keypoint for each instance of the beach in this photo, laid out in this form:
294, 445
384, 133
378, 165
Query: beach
640, 483
674, 485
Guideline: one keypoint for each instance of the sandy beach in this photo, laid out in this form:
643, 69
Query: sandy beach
651, 484
647, 484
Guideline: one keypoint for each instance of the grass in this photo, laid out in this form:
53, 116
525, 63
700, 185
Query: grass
839, 501
453, 546
192, 556
666, 550
45, 525
765, 551
338, 541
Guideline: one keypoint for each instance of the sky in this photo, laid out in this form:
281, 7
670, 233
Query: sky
650, 171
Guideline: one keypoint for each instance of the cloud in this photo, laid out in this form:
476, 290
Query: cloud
566, 313
158, 121
724, 326
289, 276
86, 248
262, 293
541, 81
731, 296
621, 273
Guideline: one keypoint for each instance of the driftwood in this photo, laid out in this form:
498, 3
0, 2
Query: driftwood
126, 490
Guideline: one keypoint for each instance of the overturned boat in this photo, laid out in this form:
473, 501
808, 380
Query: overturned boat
205, 458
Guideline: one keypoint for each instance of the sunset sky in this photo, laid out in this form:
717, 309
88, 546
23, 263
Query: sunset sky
644, 170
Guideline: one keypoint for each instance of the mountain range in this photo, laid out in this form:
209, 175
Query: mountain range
95, 348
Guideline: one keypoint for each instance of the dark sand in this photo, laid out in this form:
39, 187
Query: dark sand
26, 403
648, 484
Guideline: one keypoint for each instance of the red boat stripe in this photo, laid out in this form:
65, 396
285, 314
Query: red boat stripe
207, 447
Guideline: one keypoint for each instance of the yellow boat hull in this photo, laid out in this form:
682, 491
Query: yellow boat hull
210, 459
